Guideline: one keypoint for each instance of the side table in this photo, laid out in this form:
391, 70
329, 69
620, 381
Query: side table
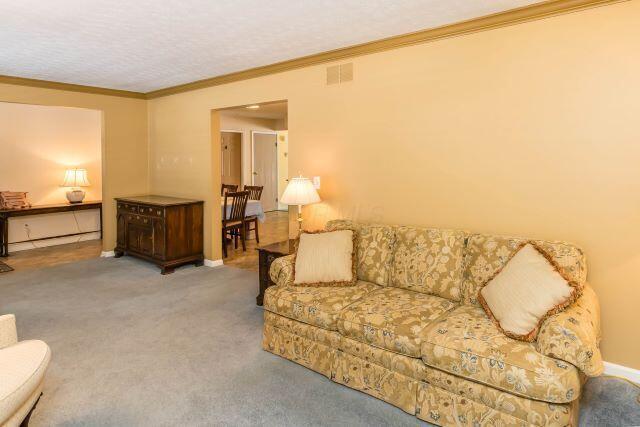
267, 254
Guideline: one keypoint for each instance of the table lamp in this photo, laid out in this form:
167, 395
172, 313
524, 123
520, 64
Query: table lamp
300, 191
75, 178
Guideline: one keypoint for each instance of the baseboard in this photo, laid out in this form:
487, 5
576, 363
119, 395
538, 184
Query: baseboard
213, 263
53, 241
622, 371
107, 254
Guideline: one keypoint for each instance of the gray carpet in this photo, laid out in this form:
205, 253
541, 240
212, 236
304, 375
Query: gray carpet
132, 347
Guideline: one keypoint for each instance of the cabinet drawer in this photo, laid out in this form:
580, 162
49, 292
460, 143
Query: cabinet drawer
139, 219
127, 207
152, 211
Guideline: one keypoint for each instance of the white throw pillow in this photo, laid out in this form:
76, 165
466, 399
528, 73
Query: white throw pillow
527, 290
325, 258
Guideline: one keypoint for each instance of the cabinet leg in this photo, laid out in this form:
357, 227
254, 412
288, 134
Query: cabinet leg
4, 240
117, 254
167, 270
224, 244
199, 263
256, 232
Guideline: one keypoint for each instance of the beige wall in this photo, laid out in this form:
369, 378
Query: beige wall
125, 161
38, 144
529, 129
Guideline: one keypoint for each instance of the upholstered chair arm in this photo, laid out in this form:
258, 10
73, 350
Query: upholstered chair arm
281, 271
573, 335
8, 332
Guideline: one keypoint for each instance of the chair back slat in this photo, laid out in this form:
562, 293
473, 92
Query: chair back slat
228, 187
238, 202
255, 191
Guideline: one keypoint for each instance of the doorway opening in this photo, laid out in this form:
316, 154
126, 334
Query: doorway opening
254, 157
51, 155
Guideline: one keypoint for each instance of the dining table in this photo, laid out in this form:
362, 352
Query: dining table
254, 207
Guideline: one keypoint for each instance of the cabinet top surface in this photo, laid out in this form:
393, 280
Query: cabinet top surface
60, 207
158, 200
285, 247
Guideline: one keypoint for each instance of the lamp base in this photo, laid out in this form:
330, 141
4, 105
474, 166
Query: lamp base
299, 220
75, 196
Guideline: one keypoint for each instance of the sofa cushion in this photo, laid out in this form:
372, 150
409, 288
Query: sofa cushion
325, 258
22, 369
318, 306
429, 261
525, 292
392, 319
374, 249
485, 255
467, 343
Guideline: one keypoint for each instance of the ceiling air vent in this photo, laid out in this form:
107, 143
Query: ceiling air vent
340, 73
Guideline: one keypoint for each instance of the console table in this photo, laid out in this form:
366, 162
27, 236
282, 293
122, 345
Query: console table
5, 214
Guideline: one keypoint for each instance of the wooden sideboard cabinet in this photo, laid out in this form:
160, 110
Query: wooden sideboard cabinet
164, 230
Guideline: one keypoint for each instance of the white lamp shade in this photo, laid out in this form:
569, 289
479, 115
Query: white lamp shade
300, 191
76, 178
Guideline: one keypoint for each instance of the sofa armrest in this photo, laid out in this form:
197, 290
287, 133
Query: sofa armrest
573, 335
281, 271
8, 332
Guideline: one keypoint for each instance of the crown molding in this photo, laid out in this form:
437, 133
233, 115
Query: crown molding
501, 19
46, 84
532, 12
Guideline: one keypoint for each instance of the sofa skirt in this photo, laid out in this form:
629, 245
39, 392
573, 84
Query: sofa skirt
405, 382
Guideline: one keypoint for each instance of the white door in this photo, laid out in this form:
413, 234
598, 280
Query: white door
265, 167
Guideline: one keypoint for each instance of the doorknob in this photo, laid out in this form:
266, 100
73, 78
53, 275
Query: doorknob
255, 173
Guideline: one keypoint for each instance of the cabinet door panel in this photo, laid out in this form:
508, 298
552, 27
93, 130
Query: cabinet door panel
146, 240
158, 238
121, 242
133, 237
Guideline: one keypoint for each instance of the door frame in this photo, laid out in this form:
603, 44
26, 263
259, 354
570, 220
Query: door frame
253, 151
241, 153
278, 133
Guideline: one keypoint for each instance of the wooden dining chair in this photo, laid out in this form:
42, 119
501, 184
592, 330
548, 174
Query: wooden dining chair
228, 187
255, 192
233, 220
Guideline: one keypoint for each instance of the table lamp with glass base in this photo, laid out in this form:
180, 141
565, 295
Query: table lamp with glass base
300, 191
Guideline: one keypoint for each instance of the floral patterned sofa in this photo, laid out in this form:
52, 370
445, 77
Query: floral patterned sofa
412, 333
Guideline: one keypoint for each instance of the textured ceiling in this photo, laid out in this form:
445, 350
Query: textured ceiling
144, 45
